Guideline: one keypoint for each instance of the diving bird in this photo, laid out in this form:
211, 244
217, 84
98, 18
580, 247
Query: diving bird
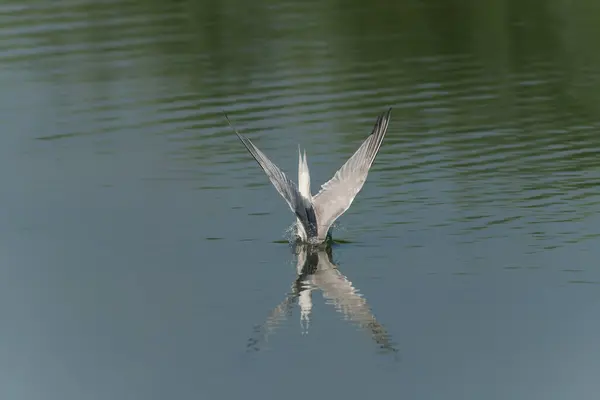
316, 214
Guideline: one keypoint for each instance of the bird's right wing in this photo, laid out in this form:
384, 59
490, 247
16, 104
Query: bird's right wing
336, 195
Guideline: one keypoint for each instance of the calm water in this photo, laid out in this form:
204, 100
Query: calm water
140, 245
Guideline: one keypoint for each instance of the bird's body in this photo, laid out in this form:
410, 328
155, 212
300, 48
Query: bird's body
316, 214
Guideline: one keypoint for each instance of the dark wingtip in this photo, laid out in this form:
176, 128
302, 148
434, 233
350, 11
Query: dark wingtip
384, 116
239, 135
226, 117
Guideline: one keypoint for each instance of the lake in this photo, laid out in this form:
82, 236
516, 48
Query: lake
144, 254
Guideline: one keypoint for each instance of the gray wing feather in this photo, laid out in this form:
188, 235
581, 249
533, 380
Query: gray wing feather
336, 195
299, 205
286, 188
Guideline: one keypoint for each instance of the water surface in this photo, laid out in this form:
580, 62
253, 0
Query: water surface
141, 246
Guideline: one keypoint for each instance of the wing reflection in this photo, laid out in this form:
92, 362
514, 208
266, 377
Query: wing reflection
316, 271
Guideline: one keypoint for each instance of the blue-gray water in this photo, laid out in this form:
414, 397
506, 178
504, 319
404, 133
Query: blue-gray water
140, 244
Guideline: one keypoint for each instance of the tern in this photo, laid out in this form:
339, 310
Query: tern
316, 214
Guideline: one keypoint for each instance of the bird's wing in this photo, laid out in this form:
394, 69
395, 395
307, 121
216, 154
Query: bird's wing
299, 205
336, 195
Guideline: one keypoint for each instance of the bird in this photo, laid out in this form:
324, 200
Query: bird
316, 214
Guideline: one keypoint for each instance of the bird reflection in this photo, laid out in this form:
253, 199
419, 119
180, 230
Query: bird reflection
316, 271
